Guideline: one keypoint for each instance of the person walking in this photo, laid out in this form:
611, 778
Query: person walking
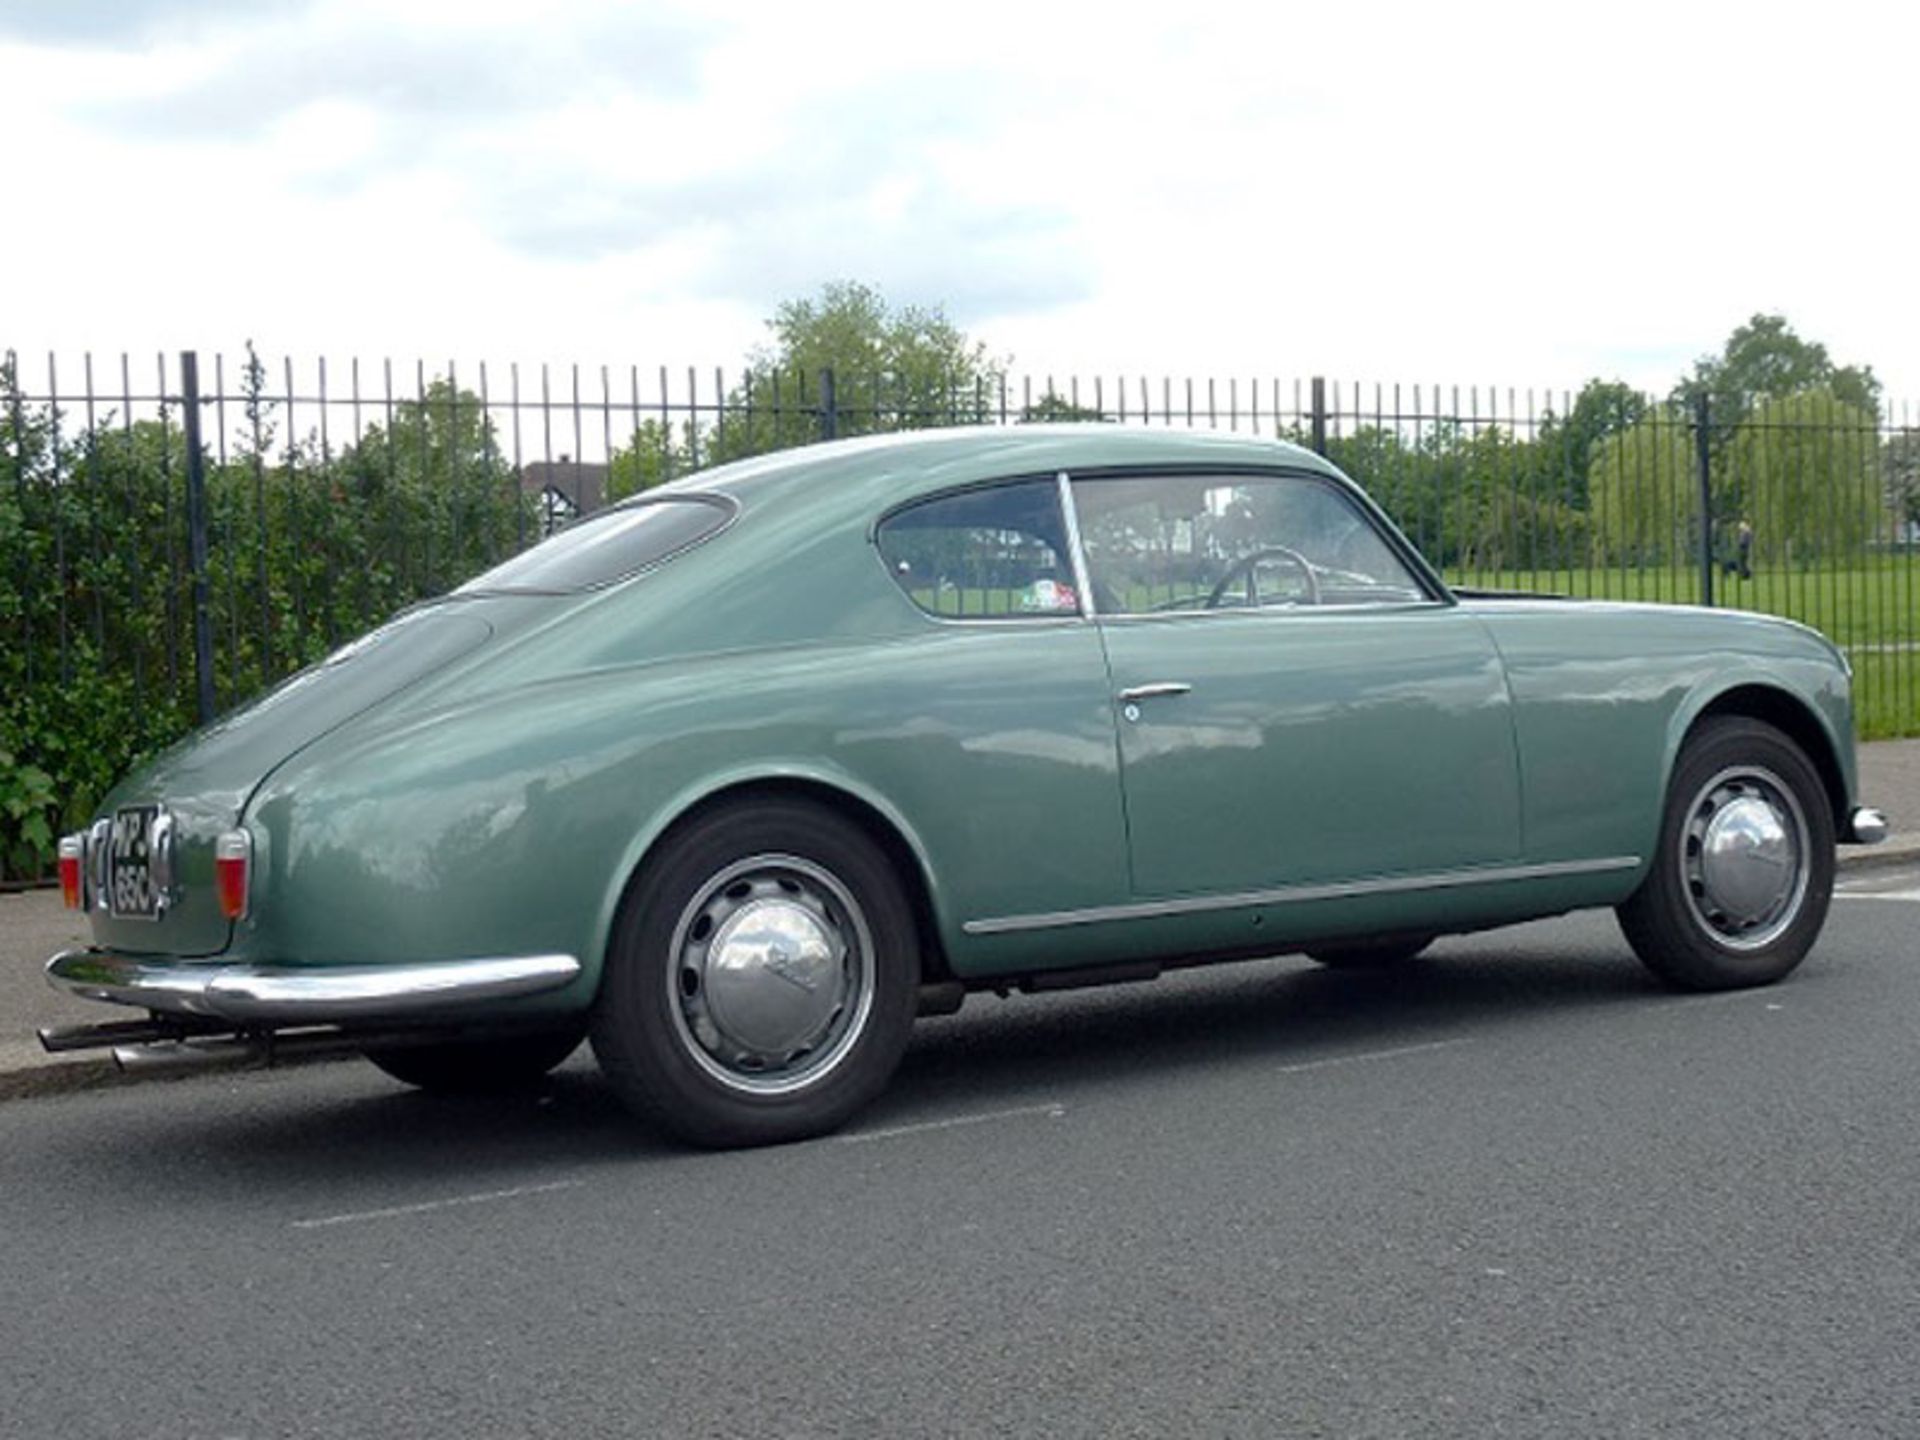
1743, 548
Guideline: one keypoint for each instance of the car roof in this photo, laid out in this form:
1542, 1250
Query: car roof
876, 471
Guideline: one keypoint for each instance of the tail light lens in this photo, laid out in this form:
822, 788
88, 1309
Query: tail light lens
73, 866
232, 872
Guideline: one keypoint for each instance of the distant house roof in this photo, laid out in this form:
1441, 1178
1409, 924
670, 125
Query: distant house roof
583, 486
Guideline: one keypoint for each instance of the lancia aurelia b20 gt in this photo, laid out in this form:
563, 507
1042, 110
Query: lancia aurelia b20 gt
738, 778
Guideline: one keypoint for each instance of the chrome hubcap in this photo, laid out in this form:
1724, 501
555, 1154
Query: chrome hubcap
1744, 857
772, 979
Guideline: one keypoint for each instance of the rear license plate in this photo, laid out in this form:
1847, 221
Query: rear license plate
131, 891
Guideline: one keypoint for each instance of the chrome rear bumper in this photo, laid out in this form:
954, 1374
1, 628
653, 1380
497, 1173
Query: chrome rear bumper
267, 995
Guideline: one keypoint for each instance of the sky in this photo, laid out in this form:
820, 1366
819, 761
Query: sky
1510, 195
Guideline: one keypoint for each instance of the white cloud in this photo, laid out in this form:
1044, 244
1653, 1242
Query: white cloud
1484, 194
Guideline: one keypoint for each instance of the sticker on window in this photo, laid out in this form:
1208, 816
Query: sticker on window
1048, 595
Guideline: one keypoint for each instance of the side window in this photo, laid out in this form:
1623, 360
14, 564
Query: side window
1214, 543
997, 554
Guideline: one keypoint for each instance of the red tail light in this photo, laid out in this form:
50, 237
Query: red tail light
232, 872
73, 864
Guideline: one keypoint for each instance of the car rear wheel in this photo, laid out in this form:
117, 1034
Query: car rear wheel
1743, 871
477, 1067
762, 978
1371, 954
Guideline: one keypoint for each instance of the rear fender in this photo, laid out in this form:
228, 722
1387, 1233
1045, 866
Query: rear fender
801, 772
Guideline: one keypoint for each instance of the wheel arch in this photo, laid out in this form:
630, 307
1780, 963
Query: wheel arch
885, 829
1794, 718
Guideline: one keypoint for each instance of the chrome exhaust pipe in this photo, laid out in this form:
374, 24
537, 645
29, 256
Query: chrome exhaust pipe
161, 1056
58, 1039
263, 1049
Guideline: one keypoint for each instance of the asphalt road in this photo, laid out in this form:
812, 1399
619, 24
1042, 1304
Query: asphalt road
1517, 1191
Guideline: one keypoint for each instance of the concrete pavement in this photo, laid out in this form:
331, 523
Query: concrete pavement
33, 926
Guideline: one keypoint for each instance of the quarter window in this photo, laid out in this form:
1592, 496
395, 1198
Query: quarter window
605, 547
1171, 543
998, 553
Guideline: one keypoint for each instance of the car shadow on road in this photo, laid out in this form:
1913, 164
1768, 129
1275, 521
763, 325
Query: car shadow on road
312, 1124
295, 1131
1268, 1013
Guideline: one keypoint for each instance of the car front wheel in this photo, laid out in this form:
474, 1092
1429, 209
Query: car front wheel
1743, 870
762, 978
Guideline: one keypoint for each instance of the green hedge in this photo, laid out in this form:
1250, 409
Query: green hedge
308, 546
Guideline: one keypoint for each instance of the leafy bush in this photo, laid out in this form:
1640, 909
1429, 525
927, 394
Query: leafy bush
308, 545
26, 796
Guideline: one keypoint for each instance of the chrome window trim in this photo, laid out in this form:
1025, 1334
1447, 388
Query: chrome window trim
1039, 620
1083, 610
1388, 607
1298, 894
1433, 586
1082, 574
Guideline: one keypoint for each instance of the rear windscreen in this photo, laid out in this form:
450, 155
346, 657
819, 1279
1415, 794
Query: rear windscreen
606, 547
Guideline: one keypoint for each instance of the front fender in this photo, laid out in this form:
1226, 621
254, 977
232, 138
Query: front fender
1809, 700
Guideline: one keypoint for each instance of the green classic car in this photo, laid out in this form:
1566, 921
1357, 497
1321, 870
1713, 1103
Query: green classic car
737, 778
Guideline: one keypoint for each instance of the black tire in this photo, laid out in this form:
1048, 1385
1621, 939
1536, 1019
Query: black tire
705, 1036
1371, 954
1742, 872
495, 1066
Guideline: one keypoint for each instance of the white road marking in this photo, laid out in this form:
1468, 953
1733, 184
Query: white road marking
393, 1211
1365, 1055
1050, 1112
1907, 895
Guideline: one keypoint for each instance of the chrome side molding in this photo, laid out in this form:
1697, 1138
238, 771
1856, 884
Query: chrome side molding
1298, 894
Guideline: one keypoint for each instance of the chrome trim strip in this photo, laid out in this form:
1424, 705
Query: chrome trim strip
285, 994
99, 840
1357, 607
1298, 894
162, 845
1082, 575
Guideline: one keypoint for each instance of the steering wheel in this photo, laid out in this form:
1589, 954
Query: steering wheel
1246, 564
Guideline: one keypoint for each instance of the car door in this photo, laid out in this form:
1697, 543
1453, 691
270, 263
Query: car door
1295, 704
992, 732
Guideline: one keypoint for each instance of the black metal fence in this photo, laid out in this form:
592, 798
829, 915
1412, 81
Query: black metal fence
176, 534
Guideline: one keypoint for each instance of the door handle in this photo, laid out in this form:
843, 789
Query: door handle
1153, 691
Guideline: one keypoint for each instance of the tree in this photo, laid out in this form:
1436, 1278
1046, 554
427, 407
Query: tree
436, 456
1566, 443
1900, 469
1641, 488
892, 369
1805, 470
443, 436
1764, 359
1054, 408
650, 457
